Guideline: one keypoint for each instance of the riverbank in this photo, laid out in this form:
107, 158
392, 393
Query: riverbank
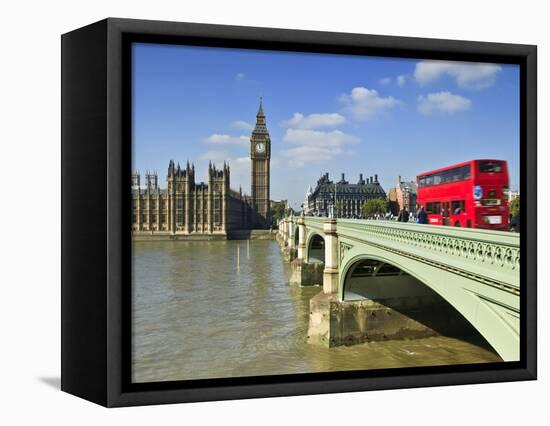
238, 234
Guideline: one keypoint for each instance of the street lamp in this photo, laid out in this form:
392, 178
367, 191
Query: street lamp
335, 202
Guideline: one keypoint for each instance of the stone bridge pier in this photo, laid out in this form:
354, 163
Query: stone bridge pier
305, 271
288, 243
335, 322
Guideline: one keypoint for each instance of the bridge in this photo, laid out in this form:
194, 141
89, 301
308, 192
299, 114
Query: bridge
385, 279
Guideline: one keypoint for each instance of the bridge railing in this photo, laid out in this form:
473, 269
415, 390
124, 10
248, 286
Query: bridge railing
314, 222
494, 255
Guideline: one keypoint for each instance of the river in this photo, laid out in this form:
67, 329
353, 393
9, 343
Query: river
197, 315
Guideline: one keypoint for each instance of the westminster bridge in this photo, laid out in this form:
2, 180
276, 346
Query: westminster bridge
384, 280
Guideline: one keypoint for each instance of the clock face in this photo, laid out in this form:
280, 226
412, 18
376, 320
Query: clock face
260, 147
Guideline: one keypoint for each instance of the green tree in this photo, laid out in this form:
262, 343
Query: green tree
277, 212
374, 206
514, 206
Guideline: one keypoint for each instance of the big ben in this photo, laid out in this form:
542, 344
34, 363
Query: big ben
260, 153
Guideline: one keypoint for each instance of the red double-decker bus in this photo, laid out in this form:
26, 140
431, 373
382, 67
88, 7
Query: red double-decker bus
473, 194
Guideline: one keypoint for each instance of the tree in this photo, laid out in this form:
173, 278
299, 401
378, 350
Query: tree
514, 206
277, 212
374, 206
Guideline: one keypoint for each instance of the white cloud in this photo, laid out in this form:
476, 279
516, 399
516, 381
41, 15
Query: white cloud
243, 125
301, 155
221, 139
240, 76
240, 173
401, 80
467, 75
314, 121
442, 102
363, 104
318, 138
315, 145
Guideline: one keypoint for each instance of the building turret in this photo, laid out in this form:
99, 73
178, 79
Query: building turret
151, 180
361, 180
135, 180
171, 168
343, 180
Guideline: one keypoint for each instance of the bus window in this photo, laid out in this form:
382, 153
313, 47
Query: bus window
466, 172
429, 180
490, 167
433, 208
456, 174
458, 207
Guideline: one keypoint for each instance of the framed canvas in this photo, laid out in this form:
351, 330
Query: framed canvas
255, 212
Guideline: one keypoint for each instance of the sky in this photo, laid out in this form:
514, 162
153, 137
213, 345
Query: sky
325, 113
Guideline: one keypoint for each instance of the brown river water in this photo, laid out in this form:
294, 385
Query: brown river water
197, 315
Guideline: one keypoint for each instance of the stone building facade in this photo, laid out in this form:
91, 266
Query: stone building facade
211, 208
393, 205
346, 198
189, 207
405, 192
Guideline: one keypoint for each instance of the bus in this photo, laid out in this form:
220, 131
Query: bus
473, 194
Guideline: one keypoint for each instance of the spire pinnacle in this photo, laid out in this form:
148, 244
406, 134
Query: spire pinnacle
261, 107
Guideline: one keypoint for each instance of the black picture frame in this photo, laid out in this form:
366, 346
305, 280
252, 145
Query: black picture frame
96, 170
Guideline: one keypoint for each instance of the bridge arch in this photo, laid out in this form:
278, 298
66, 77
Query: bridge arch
352, 262
393, 286
315, 248
459, 292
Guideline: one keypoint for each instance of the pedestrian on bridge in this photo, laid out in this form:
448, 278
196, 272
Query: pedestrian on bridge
422, 215
403, 215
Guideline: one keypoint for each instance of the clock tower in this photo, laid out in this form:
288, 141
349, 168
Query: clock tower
260, 153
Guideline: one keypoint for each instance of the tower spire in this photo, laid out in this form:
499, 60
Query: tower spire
261, 108
260, 126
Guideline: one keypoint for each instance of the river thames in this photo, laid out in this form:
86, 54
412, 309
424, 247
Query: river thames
197, 315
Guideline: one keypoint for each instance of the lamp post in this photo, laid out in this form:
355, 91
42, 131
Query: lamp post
335, 202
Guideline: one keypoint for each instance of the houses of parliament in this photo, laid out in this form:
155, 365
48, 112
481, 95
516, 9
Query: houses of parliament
187, 207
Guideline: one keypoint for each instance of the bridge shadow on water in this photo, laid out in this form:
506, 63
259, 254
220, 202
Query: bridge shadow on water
441, 317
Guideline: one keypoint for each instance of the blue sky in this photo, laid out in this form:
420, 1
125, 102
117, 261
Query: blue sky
325, 113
